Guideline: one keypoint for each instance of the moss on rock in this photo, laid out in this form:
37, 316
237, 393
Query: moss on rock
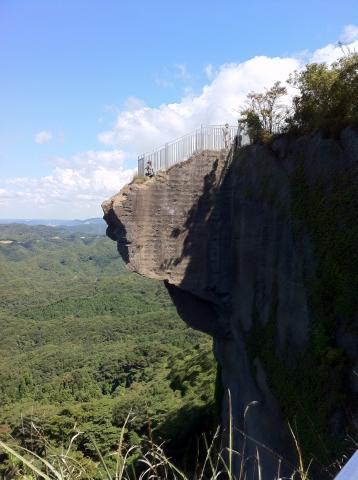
311, 386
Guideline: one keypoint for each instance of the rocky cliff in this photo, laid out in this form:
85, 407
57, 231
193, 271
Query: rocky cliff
258, 248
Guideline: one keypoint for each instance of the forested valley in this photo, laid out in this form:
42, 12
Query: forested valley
86, 344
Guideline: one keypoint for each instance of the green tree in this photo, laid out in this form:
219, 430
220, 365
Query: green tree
328, 96
264, 114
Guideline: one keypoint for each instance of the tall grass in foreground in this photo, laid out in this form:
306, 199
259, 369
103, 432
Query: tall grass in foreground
150, 465
132, 463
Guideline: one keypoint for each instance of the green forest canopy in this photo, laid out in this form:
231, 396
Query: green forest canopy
84, 342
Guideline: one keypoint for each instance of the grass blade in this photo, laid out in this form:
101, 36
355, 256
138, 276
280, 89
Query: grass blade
24, 461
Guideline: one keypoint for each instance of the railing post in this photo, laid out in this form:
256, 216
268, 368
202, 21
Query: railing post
141, 165
166, 159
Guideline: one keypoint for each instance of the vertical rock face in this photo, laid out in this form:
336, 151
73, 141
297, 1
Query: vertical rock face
258, 249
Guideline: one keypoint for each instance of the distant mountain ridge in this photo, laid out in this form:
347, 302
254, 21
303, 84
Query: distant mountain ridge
95, 226
52, 222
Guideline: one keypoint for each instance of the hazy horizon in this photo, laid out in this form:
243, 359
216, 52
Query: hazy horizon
59, 219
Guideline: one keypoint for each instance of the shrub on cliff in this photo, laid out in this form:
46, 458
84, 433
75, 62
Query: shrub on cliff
327, 99
328, 96
264, 113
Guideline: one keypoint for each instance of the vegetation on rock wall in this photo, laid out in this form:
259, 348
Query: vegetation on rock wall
312, 386
326, 210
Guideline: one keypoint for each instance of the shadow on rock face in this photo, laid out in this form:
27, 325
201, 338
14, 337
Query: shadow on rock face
208, 241
116, 231
197, 313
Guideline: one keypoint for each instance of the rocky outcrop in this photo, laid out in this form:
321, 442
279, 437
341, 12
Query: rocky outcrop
258, 249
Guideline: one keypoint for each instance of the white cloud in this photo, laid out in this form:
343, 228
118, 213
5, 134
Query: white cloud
5, 195
145, 128
348, 42
331, 53
350, 33
79, 187
218, 102
43, 137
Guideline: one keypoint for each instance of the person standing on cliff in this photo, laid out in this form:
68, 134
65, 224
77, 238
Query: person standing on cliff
226, 133
149, 172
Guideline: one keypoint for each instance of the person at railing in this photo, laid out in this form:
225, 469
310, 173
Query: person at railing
226, 134
149, 171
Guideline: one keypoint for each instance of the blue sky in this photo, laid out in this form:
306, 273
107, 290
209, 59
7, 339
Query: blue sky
86, 85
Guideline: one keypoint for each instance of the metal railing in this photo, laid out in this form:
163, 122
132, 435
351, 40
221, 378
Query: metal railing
207, 137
